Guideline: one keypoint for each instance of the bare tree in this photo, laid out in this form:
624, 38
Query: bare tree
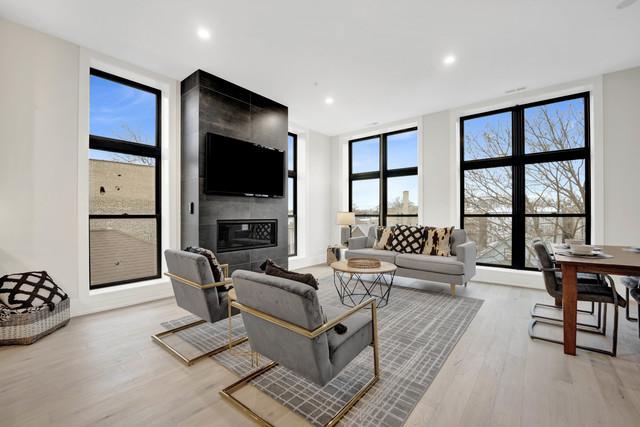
552, 187
130, 135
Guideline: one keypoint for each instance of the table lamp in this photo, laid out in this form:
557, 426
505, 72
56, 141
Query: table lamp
344, 219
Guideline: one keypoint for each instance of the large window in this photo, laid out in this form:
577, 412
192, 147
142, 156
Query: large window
292, 192
525, 175
124, 181
383, 178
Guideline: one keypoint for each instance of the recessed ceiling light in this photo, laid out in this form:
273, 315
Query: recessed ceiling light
204, 34
449, 59
328, 100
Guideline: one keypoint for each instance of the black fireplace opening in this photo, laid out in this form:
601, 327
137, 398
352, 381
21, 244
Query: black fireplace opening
242, 234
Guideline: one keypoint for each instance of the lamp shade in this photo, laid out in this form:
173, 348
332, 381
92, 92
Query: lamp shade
346, 218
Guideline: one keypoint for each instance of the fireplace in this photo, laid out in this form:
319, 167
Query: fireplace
242, 234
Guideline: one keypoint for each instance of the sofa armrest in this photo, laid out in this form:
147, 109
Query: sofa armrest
358, 242
466, 254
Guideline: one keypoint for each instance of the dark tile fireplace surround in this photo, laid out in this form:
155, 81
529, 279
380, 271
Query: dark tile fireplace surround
240, 235
228, 224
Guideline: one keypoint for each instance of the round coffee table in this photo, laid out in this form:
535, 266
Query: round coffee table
352, 290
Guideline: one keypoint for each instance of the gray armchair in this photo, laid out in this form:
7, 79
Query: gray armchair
285, 322
196, 292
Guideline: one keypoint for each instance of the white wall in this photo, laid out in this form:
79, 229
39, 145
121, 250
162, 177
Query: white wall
43, 152
38, 154
615, 131
622, 157
314, 197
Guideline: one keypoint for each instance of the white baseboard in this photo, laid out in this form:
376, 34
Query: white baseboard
307, 261
505, 276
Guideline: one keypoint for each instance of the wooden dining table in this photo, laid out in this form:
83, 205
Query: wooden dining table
623, 262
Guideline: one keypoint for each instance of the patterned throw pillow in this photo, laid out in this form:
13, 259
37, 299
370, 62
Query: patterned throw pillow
383, 235
407, 239
23, 292
437, 241
216, 268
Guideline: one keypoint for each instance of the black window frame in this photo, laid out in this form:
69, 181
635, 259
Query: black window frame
294, 175
136, 149
382, 174
518, 160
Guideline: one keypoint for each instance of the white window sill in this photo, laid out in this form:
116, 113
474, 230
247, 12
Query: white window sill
129, 286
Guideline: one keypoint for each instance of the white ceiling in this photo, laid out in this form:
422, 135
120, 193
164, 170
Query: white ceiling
380, 60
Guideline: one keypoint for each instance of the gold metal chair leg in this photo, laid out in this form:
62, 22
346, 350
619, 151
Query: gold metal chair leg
158, 339
227, 392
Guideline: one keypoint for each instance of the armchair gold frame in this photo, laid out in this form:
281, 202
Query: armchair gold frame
190, 361
227, 391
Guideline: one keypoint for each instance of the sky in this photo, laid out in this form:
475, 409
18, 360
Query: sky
402, 151
117, 110
488, 124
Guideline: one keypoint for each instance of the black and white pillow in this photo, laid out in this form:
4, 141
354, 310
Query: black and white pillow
23, 292
216, 268
407, 239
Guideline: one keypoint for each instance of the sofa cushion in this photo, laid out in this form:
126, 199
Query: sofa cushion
388, 256
407, 239
437, 241
458, 237
383, 237
434, 264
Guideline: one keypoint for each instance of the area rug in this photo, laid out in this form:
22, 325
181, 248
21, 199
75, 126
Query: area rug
417, 331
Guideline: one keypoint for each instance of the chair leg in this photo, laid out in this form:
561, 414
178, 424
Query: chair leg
615, 331
627, 309
585, 327
175, 353
614, 346
227, 392
453, 289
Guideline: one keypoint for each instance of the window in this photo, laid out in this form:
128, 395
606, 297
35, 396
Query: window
383, 178
124, 181
292, 181
525, 175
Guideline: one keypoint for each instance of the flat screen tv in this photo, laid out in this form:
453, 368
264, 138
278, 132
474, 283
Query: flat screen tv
235, 167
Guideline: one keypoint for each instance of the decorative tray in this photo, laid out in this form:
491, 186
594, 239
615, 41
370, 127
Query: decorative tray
363, 263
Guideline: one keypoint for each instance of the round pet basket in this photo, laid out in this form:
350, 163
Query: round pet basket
363, 263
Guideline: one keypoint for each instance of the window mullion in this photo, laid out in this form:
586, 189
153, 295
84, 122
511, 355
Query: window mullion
518, 225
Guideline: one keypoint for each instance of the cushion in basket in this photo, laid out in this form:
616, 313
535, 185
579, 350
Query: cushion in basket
437, 241
24, 291
407, 239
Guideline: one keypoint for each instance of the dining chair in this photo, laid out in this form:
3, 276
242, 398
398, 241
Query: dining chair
630, 283
603, 293
285, 322
635, 294
195, 291
586, 278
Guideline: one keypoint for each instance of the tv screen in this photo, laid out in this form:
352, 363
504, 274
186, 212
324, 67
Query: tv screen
235, 167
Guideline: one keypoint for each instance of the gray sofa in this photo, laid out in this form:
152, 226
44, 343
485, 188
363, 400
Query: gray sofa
457, 269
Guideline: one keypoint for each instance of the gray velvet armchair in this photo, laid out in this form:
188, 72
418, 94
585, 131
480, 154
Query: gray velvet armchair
195, 291
285, 322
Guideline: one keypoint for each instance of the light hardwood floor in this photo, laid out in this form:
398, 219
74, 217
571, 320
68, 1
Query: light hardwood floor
103, 369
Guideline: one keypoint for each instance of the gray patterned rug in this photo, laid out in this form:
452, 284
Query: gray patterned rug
417, 331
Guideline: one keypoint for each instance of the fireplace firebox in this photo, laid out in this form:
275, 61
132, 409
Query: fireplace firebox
243, 234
